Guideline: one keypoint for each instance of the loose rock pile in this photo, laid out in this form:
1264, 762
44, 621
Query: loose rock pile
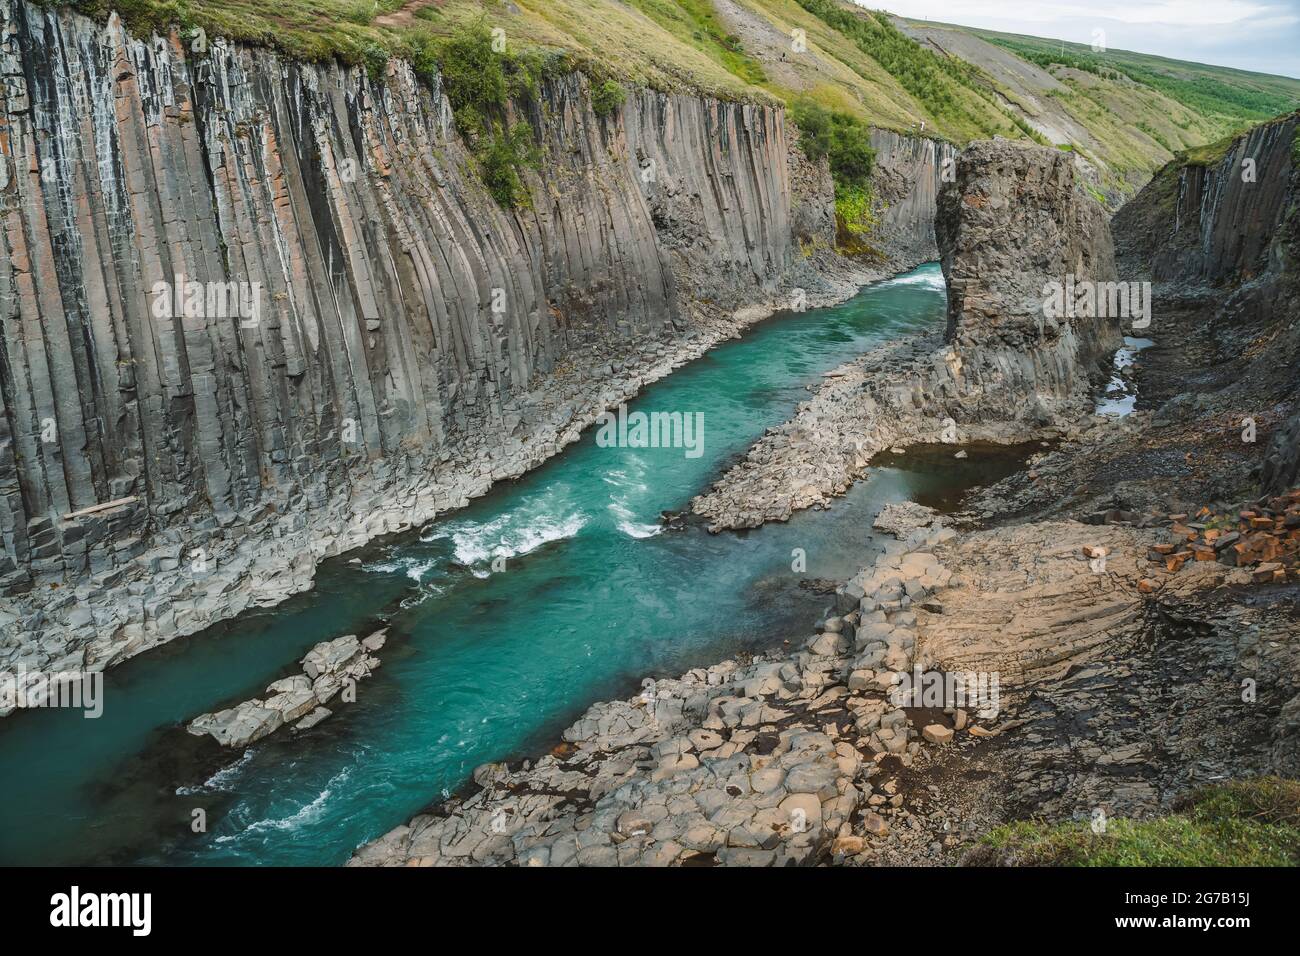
1265, 537
302, 697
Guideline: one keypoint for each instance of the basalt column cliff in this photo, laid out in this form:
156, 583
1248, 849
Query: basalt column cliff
412, 341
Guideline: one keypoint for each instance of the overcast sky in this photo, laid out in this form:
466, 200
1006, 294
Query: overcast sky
1262, 35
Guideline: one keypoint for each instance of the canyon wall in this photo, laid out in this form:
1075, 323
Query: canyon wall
907, 177
1221, 220
1221, 239
410, 340
1009, 220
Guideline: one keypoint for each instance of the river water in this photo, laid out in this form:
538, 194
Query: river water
480, 665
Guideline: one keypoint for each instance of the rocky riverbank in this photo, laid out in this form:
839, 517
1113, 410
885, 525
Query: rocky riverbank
748, 763
1054, 670
1123, 678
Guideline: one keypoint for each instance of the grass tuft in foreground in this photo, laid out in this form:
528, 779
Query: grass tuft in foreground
1253, 822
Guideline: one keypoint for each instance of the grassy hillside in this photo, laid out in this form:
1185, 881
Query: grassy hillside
1215, 92
1125, 114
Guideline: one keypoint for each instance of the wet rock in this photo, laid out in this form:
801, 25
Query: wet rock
295, 698
312, 719
238, 726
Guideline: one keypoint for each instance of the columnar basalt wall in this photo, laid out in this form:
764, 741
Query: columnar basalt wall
413, 341
1226, 214
1227, 234
403, 316
907, 178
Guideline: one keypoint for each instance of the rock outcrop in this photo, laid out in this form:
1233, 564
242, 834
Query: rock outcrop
1013, 220
1213, 219
394, 342
298, 699
906, 179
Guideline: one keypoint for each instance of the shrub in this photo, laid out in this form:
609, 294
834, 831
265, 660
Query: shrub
854, 220
473, 78
607, 97
479, 83
932, 79
502, 155
376, 59
845, 142
843, 139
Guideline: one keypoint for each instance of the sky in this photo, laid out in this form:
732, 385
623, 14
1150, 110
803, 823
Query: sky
1261, 35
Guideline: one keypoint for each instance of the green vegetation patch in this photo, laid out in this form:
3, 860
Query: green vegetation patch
1209, 96
845, 142
1211, 154
480, 77
607, 97
314, 30
947, 88
844, 139
1233, 97
1075, 60
1244, 823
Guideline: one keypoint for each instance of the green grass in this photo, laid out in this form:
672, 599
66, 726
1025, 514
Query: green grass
1208, 95
695, 24
1244, 823
1030, 132
950, 90
696, 21
1209, 154
857, 63
313, 30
